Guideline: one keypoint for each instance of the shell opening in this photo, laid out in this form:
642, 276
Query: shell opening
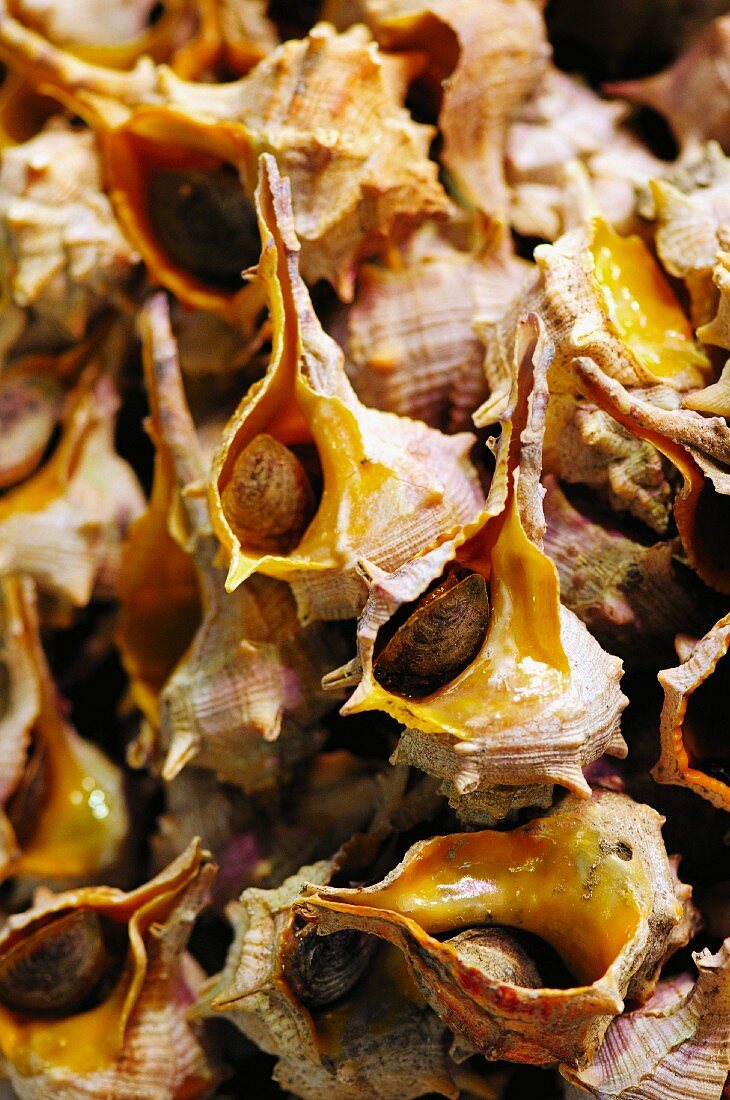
270, 496
427, 644
205, 222
704, 736
65, 966
642, 304
522, 881
321, 970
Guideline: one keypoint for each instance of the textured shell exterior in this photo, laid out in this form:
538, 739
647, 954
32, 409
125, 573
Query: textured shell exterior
715, 398
609, 837
675, 1044
686, 732
678, 93
65, 254
328, 1052
412, 350
630, 596
692, 212
241, 698
142, 1043
570, 704
64, 525
585, 446
591, 278
80, 826
502, 54
699, 447
375, 184
562, 125
392, 486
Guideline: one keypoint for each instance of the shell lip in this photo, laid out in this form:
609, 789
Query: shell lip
603, 994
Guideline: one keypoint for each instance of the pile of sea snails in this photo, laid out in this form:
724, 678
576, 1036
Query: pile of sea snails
364, 549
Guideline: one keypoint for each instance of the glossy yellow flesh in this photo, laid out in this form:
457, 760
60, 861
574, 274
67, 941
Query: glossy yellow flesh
643, 306
522, 664
534, 882
91, 1041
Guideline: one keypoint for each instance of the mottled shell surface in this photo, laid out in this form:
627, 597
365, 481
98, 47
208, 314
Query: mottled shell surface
391, 486
533, 705
632, 915
137, 1040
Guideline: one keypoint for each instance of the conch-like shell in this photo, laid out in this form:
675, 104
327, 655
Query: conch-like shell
64, 814
680, 93
328, 1051
674, 1045
695, 753
64, 524
325, 94
630, 596
135, 1040
699, 447
392, 486
242, 696
64, 255
539, 698
411, 347
488, 55
604, 856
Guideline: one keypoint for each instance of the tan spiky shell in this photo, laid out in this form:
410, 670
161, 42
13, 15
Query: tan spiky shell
675, 1044
357, 160
411, 347
243, 696
137, 1041
530, 708
634, 913
391, 486
488, 56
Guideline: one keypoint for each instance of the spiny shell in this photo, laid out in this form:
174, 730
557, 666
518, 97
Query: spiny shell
699, 447
533, 706
329, 107
694, 753
63, 815
64, 524
674, 1045
680, 93
65, 256
137, 1040
250, 672
488, 55
391, 486
604, 855
330, 1052
630, 596
411, 349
